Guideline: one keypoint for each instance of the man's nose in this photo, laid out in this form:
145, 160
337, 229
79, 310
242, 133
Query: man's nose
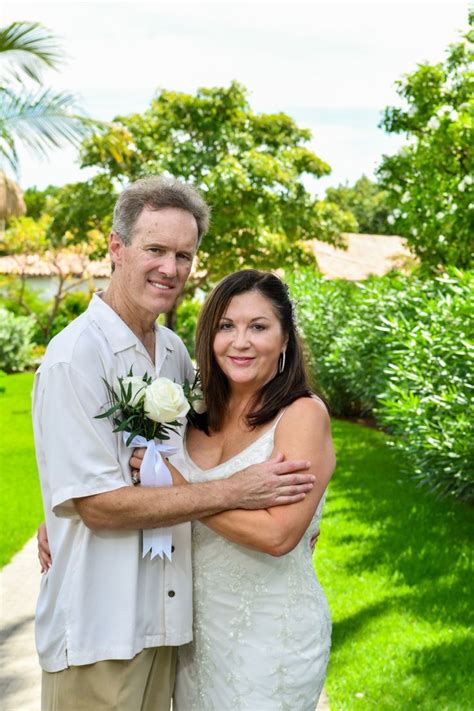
167, 265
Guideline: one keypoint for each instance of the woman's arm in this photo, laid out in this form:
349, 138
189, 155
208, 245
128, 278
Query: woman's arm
303, 431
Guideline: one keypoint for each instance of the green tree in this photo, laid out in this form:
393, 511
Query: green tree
37, 200
367, 202
30, 113
429, 181
249, 166
26, 236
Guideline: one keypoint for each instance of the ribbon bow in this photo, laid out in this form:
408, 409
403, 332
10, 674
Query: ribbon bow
154, 472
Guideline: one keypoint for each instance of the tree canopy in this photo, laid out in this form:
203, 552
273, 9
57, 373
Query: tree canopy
367, 202
249, 166
429, 182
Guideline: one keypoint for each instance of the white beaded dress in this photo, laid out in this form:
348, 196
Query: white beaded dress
262, 628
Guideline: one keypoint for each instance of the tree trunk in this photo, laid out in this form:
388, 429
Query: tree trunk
171, 319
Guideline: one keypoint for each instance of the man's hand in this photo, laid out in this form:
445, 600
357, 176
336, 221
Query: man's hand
272, 483
44, 553
259, 486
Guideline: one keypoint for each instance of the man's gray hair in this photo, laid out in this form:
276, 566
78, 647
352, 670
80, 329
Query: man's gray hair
156, 193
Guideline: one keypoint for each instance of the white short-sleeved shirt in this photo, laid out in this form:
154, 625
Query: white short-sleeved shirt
101, 599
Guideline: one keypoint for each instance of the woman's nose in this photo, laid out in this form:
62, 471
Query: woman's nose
241, 338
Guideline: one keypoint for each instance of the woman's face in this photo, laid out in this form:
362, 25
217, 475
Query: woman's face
249, 340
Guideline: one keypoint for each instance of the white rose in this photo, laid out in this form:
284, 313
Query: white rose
199, 404
165, 401
138, 387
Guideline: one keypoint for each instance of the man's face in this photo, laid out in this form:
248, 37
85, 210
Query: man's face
152, 270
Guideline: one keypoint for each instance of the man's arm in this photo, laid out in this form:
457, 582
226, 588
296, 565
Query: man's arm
277, 530
264, 485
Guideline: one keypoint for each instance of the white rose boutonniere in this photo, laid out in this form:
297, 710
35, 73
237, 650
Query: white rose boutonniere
165, 401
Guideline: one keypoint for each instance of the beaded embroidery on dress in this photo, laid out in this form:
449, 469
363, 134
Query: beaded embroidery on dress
262, 628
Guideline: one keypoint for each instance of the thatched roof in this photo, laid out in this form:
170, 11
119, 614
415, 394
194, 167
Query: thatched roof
11, 198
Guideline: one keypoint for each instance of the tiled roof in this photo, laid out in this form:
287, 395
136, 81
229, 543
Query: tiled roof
71, 264
365, 255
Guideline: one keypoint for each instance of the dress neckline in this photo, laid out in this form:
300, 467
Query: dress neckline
234, 456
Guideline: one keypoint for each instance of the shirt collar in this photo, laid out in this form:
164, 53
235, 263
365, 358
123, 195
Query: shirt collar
120, 336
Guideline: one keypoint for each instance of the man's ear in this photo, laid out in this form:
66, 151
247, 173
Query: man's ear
116, 247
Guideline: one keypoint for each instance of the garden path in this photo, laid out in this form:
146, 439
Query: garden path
20, 676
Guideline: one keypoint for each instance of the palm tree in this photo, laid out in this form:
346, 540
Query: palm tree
38, 117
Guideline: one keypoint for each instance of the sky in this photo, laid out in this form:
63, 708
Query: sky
332, 66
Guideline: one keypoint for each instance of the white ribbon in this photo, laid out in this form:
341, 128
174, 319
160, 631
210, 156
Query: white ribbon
154, 472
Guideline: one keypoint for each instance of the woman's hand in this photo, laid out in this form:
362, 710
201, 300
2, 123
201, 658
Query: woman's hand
135, 463
44, 553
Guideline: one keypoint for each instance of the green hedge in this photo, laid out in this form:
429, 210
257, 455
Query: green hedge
16, 333
401, 349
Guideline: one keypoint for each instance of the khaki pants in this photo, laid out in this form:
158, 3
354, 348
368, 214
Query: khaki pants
144, 683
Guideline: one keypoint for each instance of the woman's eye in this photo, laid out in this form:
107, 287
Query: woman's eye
259, 327
225, 326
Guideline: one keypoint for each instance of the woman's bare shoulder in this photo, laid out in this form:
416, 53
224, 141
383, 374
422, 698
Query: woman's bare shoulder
307, 407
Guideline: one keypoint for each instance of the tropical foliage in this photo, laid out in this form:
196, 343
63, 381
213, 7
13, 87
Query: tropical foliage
30, 113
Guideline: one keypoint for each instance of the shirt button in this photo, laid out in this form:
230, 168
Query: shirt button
171, 593
172, 549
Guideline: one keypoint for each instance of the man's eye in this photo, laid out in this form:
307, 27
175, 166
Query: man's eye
185, 257
155, 250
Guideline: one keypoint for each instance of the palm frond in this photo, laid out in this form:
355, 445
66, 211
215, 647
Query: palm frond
42, 120
28, 47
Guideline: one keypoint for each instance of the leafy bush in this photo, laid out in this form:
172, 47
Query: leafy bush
186, 318
70, 308
15, 341
400, 348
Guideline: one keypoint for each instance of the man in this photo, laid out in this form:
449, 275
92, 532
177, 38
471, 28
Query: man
108, 620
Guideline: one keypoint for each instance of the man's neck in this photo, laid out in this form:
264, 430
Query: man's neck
143, 326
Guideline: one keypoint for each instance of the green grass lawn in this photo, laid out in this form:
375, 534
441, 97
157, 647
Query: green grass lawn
396, 568
22, 509
394, 563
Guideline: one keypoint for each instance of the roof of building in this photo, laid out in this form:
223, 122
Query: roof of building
71, 264
365, 255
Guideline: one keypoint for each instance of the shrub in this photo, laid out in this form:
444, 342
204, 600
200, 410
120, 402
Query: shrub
400, 348
15, 341
429, 392
70, 308
186, 318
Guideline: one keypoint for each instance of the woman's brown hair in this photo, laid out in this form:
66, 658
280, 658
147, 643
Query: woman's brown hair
284, 387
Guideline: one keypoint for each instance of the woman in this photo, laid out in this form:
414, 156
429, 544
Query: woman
262, 625
261, 621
